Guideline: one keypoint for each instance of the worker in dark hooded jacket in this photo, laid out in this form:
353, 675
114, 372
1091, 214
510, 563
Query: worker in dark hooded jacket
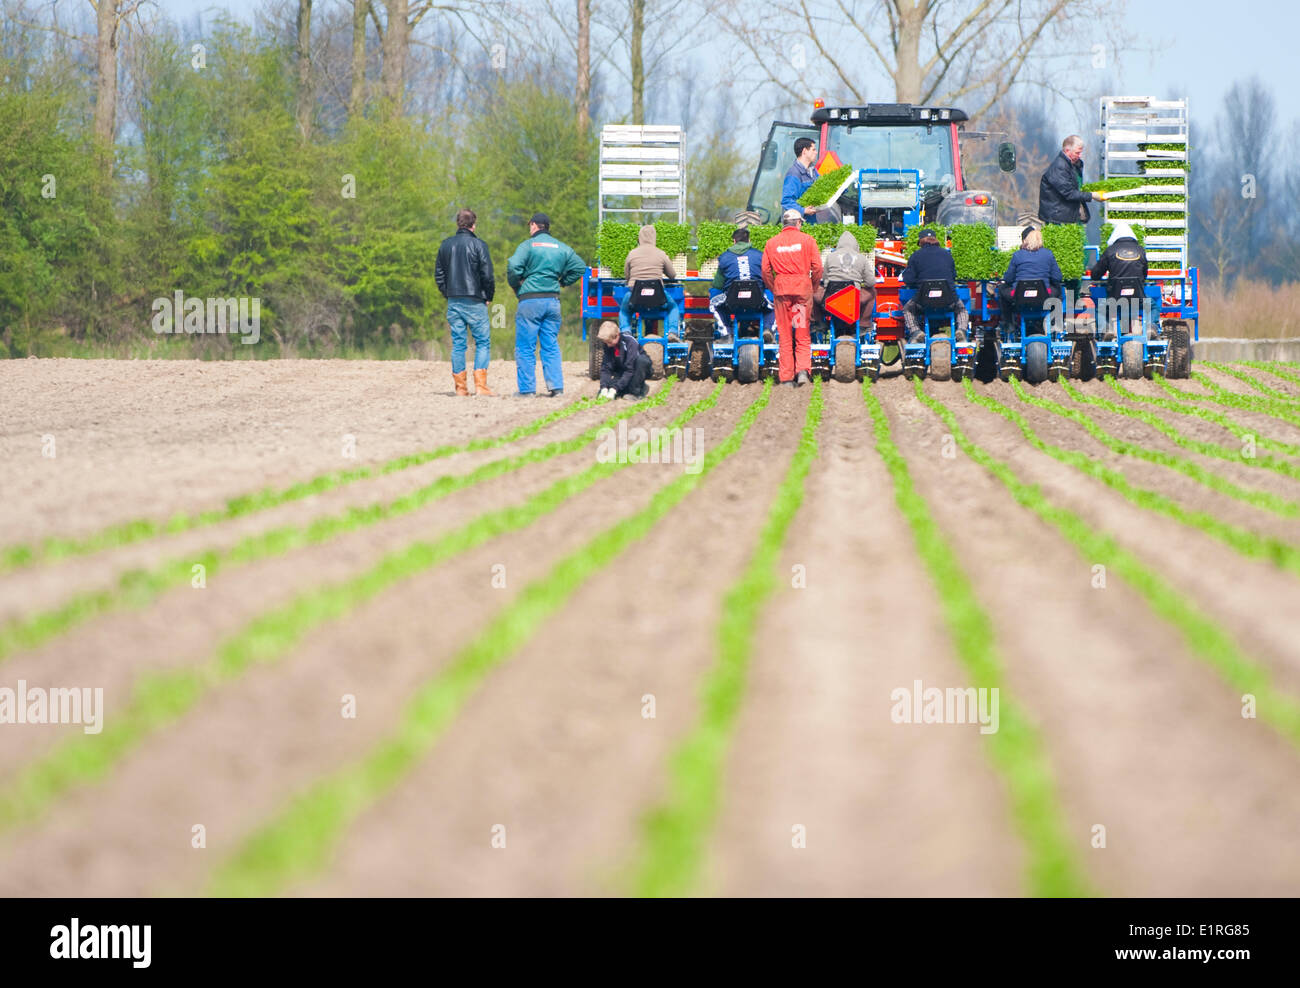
847, 264
1061, 198
647, 262
1124, 259
739, 262
624, 367
930, 262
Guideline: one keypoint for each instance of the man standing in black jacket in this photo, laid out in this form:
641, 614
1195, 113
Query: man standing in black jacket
464, 276
1061, 198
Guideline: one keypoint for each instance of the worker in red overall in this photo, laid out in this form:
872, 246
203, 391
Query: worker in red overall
792, 265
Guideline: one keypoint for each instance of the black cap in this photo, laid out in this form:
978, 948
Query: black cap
542, 220
927, 234
1026, 232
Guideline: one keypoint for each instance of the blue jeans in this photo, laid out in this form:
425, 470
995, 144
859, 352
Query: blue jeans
464, 317
538, 319
670, 315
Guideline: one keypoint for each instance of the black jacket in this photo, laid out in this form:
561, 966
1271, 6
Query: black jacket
930, 262
1059, 194
464, 268
1125, 258
619, 365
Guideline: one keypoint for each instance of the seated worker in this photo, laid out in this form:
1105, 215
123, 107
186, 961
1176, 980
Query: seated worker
1124, 260
739, 262
1032, 262
624, 368
844, 264
930, 262
646, 262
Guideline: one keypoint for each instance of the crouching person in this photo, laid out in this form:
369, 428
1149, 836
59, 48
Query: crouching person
624, 369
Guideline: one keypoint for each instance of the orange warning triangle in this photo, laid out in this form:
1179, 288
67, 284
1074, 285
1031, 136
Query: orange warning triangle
843, 304
828, 163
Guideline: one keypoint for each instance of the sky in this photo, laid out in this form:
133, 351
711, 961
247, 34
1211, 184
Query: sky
1200, 48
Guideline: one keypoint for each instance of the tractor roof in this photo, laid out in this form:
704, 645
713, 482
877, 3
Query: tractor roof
888, 113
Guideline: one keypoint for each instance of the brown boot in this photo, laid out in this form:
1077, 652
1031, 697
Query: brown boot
461, 387
480, 382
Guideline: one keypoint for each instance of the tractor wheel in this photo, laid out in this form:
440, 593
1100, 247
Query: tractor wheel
595, 357
845, 361
1083, 360
748, 364
698, 362
1179, 364
1036, 362
941, 360
958, 372
654, 349
1131, 367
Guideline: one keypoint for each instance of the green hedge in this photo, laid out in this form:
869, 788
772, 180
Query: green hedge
820, 192
672, 238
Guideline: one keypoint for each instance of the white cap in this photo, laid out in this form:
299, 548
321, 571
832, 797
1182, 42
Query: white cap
791, 216
1121, 231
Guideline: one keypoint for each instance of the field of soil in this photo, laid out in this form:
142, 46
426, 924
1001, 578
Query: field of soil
358, 636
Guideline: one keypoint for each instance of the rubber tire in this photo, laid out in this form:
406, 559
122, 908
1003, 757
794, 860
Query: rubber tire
748, 363
1179, 362
654, 349
698, 362
941, 360
845, 361
1131, 367
1036, 359
1083, 360
595, 357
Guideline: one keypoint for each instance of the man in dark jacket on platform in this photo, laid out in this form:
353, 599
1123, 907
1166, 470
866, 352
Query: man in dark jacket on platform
624, 368
930, 262
1061, 198
463, 272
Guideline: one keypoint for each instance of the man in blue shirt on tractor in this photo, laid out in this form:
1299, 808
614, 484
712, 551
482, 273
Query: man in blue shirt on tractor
799, 179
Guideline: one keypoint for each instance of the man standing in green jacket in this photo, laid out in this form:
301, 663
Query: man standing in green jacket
539, 268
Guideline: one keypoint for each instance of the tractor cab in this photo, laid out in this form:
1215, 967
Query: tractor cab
911, 157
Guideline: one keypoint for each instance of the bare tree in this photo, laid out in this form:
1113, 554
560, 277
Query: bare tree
357, 91
306, 94
650, 32
931, 51
582, 94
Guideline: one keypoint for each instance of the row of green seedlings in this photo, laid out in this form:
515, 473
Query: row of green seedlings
160, 699
1219, 395
1277, 368
1264, 500
140, 529
1252, 545
1220, 452
300, 841
616, 238
137, 588
1250, 379
1204, 637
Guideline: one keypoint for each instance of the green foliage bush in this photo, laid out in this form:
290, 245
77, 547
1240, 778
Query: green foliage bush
761, 233
613, 241
712, 239
1066, 240
672, 238
820, 192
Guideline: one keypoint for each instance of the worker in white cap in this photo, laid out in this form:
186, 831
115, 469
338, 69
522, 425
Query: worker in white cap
1124, 260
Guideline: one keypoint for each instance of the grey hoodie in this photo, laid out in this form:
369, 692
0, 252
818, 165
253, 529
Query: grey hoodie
646, 262
847, 263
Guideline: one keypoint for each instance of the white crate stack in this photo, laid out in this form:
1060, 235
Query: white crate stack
1127, 122
642, 170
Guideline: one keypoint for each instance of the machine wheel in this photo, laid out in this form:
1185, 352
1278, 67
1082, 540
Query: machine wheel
941, 360
1179, 364
958, 372
1083, 360
654, 349
1036, 362
698, 362
845, 361
1131, 368
748, 364
595, 357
